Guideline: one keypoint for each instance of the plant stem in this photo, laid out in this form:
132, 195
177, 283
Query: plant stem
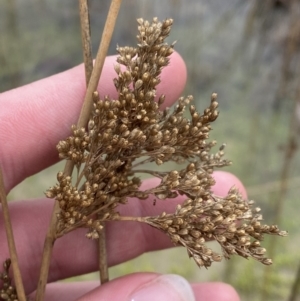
131, 219
88, 64
103, 267
102, 259
82, 121
158, 174
99, 62
47, 251
102, 51
295, 291
86, 39
11, 242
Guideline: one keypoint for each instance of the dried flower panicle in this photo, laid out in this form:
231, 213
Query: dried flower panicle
197, 221
127, 132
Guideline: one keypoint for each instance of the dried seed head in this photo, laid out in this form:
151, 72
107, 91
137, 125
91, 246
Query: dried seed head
122, 131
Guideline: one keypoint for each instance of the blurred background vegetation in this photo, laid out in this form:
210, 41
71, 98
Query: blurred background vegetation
246, 51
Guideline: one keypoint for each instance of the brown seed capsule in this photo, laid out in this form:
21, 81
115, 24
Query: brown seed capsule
175, 238
171, 230
267, 261
255, 244
218, 219
216, 257
195, 233
183, 232
138, 84
168, 222
4, 296
163, 214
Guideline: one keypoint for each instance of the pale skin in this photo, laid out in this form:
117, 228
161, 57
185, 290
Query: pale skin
33, 118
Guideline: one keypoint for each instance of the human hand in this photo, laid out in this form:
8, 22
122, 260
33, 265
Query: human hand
33, 119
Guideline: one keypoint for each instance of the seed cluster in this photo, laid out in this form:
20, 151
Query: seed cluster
74, 147
116, 135
7, 291
230, 221
125, 133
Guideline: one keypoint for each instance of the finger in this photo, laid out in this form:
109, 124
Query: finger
67, 291
214, 291
142, 287
126, 240
90, 290
225, 181
35, 117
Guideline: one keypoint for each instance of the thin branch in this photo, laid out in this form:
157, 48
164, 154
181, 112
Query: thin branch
86, 39
47, 251
131, 219
147, 160
82, 121
119, 218
100, 58
11, 242
102, 253
88, 63
295, 291
157, 174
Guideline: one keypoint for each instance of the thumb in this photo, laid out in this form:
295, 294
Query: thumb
143, 287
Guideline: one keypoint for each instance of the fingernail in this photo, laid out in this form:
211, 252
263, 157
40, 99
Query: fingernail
165, 287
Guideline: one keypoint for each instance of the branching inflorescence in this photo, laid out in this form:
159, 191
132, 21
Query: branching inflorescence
125, 133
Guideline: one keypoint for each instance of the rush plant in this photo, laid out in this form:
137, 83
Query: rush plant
129, 136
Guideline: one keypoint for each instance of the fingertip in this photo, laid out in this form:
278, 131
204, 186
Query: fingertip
120, 288
224, 181
144, 287
67, 291
215, 291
